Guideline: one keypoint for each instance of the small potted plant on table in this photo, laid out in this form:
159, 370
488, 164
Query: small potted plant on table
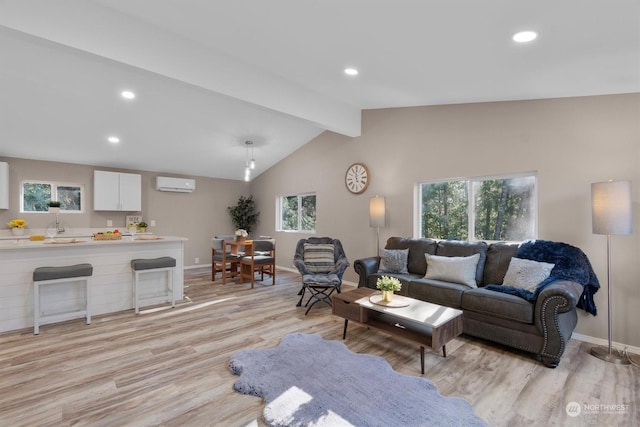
388, 285
241, 235
142, 227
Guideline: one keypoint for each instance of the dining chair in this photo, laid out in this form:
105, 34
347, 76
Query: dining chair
222, 260
261, 260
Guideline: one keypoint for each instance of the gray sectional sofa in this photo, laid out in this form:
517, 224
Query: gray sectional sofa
541, 325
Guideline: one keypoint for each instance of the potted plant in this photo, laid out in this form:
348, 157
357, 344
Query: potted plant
17, 226
244, 215
241, 235
54, 206
388, 285
142, 227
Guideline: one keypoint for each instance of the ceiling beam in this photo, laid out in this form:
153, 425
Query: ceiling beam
101, 31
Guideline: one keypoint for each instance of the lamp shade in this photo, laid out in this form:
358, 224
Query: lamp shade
611, 207
377, 212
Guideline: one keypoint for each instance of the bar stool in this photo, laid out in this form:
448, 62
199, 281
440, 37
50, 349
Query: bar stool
43, 276
154, 265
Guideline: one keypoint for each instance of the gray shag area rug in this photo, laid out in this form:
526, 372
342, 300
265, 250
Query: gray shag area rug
309, 381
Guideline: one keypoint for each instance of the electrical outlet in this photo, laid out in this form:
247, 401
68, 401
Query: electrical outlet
109, 223
197, 260
152, 223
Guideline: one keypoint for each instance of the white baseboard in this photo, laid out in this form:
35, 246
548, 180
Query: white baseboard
600, 341
191, 267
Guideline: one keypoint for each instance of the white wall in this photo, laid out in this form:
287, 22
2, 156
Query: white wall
570, 142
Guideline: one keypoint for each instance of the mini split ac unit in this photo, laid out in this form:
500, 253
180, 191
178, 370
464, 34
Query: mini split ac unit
180, 185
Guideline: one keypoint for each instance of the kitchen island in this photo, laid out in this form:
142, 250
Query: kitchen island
111, 283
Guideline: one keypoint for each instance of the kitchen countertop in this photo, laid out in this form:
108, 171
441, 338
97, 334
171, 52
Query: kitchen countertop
68, 234
58, 242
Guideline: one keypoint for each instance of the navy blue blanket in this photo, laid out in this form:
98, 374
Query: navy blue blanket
570, 264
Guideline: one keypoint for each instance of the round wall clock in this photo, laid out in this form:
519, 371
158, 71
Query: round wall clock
357, 178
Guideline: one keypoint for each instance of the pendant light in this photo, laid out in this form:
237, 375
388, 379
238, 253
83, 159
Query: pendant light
250, 164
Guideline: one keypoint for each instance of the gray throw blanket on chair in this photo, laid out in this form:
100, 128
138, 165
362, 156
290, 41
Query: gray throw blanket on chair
570, 264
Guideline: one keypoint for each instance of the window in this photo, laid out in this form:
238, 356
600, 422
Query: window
35, 196
296, 213
496, 208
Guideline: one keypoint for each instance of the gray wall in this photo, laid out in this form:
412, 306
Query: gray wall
197, 216
569, 142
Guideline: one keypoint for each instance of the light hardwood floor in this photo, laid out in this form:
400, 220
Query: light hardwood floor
169, 366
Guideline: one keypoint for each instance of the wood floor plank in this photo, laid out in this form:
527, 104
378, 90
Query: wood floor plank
169, 367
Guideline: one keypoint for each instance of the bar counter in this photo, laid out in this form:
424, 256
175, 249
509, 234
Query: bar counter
111, 283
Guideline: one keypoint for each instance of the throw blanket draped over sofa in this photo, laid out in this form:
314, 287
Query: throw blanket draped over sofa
520, 295
570, 264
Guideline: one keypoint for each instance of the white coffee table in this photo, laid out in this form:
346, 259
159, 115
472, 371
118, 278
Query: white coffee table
427, 324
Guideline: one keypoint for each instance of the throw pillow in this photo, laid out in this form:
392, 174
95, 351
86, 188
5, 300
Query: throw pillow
319, 257
527, 274
456, 269
393, 261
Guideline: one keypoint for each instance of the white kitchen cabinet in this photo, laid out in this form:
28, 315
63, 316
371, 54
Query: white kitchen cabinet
115, 191
4, 185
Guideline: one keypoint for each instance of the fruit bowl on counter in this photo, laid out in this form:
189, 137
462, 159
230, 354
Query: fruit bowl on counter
107, 235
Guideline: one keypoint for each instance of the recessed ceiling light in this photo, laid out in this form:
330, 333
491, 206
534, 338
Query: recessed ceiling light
351, 71
113, 139
127, 94
525, 36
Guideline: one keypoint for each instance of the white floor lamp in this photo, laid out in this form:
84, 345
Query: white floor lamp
377, 214
611, 214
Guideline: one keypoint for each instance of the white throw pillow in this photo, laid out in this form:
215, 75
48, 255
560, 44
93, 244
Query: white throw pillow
454, 269
526, 274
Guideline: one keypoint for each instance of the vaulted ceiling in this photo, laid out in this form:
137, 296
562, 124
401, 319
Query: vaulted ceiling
209, 74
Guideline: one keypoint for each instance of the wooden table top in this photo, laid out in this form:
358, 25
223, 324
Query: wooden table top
430, 314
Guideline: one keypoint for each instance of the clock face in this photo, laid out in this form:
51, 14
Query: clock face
357, 178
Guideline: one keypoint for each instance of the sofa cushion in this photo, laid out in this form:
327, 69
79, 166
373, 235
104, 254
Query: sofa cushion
454, 269
498, 304
437, 291
457, 248
527, 274
393, 261
499, 256
416, 263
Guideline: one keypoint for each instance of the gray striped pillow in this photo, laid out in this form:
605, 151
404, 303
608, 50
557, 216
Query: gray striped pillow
319, 257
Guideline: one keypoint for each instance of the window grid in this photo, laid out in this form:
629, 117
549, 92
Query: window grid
497, 208
296, 213
36, 194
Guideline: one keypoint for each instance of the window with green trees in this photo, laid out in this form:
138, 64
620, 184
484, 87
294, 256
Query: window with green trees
297, 213
496, 208
36, 195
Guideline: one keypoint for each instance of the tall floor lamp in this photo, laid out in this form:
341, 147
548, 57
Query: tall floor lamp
377, 213
611, 214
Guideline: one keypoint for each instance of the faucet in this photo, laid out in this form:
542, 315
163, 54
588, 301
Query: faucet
59, 226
